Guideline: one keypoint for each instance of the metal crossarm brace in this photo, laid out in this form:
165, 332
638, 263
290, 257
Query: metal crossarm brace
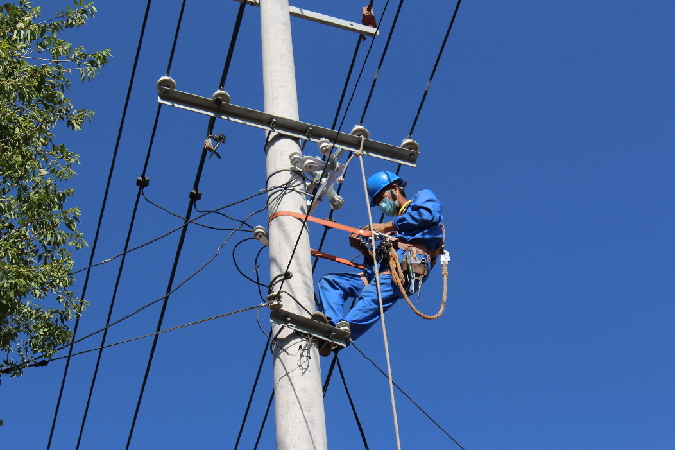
309, 326
324, 19
299, 130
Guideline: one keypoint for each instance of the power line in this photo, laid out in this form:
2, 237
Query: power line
128, 238
188, 214
379, 66
409, 398
433, 71
250, 399
101, 213
351, 403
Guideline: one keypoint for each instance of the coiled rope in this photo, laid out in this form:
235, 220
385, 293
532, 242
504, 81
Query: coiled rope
398, 279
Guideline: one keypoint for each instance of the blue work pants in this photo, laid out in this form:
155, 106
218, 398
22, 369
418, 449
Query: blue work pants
335, 288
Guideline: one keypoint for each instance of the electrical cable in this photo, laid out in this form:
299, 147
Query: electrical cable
177, 256
220, 316
250, 399
234, 259
188, 214
194, 220
205, 213
408, 397
433, 71
351, 403
264, 421
101, 214
326, 383
129, 232
379, 66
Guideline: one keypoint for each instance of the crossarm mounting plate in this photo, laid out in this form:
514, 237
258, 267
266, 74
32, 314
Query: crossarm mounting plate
282, 125
309, 326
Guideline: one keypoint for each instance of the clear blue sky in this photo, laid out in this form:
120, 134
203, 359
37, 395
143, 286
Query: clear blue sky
548, 135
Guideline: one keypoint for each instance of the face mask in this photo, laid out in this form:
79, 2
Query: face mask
388, 207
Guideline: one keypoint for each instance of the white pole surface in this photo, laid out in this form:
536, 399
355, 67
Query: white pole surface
299, 412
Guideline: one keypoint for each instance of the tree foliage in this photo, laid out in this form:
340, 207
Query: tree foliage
38, 231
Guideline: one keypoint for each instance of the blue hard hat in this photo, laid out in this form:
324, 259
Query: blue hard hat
379, 181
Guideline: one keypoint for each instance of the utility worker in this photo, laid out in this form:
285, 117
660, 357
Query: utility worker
417, 227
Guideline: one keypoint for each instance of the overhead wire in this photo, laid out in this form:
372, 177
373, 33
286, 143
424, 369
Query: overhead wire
204, 213
408, 397
351, 403
42, 358
189, 324
433, 71
129, 232
379, 66
101, 213
188, 214
250, 398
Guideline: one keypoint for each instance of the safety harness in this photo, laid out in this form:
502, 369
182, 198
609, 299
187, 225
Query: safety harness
412, 270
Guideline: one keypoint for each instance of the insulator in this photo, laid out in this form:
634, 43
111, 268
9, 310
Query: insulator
166, 82
360, 130
260, 234
336, 201
296, 160
324, 146
219, 97
410, 145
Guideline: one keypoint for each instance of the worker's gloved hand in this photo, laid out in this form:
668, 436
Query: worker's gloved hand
356, 242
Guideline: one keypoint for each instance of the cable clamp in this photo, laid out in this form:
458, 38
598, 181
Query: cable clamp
143, 182
195, 195
274, 301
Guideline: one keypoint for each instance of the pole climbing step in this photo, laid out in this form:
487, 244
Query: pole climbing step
309, 326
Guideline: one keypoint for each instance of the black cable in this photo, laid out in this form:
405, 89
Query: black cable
179, 249
257, 273
194, 221
250, 399
330, 374
433, 72
191, 205
233, 41
262, 425
349, 76
101, 213
379, 66
204, 213
234, 259
128, 238
408, 397
351, 402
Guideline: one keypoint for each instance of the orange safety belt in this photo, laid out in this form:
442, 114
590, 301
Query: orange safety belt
327, 223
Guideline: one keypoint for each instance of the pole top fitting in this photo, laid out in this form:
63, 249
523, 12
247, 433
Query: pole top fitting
360, 130
410, 145
166, 82
219, 97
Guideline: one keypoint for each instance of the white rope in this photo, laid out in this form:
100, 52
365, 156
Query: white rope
379, 297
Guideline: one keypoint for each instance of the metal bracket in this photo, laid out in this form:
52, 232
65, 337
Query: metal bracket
282, 125
309, 326
324, 19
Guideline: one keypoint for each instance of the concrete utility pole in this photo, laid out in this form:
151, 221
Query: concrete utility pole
299, 412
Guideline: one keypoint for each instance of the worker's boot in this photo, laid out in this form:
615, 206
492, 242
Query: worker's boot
325, 347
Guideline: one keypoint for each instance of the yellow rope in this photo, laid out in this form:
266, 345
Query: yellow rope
379, 297
398, 278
